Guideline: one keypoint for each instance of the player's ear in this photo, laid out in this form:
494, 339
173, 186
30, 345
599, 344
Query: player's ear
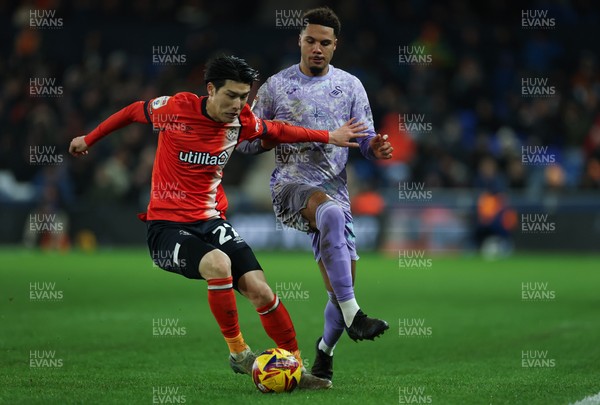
210, 88
334, 44
300, 39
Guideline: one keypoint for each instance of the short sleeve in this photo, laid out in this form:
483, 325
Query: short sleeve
262, 105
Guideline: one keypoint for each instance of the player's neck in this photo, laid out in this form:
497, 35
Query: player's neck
306, 71
209, 111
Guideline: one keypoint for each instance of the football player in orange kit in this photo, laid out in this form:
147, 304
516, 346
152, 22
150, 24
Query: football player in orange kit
196, 138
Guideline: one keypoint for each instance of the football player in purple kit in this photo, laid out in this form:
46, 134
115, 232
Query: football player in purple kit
308, 185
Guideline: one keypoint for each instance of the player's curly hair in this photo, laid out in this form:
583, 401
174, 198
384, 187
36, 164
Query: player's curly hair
228, 67
323, 16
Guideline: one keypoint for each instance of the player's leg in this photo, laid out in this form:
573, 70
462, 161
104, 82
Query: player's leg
174, 248
334, 245
334, 320
333, 329
249, 279
215, 268
324, 215
307, 208
273, 315
276, 321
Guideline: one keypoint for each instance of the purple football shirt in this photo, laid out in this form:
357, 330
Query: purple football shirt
324, 102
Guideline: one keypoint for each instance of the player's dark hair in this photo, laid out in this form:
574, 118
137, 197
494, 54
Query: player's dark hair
323, 16
229, 67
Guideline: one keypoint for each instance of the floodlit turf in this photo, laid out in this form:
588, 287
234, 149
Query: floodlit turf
458, 331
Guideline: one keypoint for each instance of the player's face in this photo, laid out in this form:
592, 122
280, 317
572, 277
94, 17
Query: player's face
226, 104
317, 44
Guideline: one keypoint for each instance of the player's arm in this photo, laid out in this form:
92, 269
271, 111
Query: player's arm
262, 107
258, 145
135, 112
372, 146
278, 132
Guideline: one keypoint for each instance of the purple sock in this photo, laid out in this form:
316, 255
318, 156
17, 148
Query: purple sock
334, 322
331, 224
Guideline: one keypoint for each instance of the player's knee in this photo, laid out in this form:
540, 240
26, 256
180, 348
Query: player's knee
330, 218
265, 295
314, 201
215, 264
317, 198
260, 294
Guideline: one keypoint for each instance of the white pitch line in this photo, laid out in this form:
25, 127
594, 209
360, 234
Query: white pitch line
591, 400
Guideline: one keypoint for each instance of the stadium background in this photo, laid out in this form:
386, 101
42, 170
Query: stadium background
474, 117
80, 297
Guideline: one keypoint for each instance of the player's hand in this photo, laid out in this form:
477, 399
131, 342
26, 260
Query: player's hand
78, 147
381, 148
350, 130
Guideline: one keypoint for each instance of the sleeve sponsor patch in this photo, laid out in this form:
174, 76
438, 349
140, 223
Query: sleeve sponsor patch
159, 102
257, 122
254, 103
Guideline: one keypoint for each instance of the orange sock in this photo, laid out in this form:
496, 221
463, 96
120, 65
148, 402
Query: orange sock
277, 323
298, 357
221, 300
236, 344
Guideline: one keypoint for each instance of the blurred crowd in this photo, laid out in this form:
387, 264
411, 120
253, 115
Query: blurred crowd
477, 128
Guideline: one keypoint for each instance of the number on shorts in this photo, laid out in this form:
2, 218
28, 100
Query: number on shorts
223, 237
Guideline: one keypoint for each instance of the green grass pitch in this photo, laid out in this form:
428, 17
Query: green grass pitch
460, 331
